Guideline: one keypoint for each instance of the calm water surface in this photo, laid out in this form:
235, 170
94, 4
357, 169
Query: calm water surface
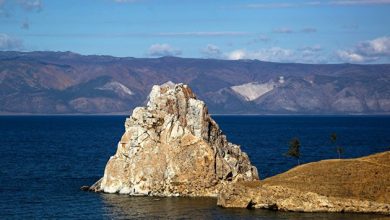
45, 159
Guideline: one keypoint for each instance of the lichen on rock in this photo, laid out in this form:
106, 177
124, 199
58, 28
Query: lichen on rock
172, 147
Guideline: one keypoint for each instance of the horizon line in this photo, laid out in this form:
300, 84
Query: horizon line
178, 57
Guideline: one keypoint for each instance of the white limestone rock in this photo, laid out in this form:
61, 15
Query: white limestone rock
172, 147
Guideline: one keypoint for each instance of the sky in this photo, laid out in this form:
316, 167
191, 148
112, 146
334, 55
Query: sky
324, 31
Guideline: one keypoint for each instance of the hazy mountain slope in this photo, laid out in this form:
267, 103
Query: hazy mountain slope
65, 82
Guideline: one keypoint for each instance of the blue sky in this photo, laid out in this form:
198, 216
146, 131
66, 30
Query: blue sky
331, 31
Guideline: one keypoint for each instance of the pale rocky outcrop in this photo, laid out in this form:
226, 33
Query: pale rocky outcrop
172, 147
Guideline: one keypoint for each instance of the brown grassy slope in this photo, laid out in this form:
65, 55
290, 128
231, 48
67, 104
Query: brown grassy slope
365, 178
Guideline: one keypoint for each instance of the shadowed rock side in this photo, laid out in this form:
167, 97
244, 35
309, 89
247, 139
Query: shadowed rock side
350, 185
172, 147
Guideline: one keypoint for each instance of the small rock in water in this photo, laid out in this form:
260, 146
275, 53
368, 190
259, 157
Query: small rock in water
85, 188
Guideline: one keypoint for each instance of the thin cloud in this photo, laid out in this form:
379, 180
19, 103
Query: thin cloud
315, 48
350, 56
140, 34
371, 51
308, 54
360, 2
160, 50
309, 30
282, 5
269, 54
286, 30
260, 38
202, 34
263, 38
311, 54
211, 51
30, 4
376, 50
7, 7
10, 43
283, 30
238, 55
376, 47
270, 5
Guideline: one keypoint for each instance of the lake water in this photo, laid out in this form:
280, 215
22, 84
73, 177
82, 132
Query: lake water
45, 159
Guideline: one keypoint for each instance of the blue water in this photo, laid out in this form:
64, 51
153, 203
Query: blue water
45, 159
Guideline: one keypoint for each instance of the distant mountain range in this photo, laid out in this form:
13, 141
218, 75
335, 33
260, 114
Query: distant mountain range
69, 83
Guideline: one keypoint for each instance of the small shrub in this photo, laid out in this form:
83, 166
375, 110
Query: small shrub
294, 149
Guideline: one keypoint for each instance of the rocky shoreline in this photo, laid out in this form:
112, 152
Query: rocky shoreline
319, 187
286, 199
172, 147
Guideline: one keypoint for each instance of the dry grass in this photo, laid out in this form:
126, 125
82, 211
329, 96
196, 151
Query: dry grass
366, 178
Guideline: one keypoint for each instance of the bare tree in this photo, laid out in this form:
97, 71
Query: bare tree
339, 149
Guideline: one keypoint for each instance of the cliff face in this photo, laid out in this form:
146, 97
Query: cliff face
172, 147
352, 185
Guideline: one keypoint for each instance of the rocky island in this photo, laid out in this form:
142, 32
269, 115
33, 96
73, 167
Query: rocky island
172, 147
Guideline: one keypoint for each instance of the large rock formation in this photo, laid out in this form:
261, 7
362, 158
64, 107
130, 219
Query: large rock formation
172, 147
353, 185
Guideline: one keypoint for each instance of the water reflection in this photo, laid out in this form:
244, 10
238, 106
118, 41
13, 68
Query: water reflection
127, 207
